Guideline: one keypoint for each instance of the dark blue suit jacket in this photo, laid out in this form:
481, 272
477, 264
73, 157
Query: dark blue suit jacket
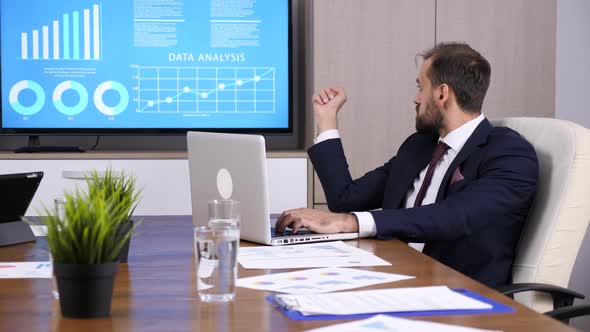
475, 223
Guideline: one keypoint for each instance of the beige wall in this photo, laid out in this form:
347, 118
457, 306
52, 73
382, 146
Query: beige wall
518, 38
369, 48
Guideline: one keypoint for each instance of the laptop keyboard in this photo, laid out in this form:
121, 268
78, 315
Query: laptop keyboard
289, 232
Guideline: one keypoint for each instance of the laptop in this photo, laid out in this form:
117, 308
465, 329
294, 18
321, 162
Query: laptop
18, 191
233, 166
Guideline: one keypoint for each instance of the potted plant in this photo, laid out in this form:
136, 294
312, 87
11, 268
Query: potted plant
85, 243
121, 189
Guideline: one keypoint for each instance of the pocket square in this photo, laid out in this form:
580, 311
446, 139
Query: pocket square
457, 176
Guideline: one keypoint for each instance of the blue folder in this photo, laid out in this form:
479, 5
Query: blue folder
496, 308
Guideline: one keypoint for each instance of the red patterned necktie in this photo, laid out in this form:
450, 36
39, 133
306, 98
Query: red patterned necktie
440, 150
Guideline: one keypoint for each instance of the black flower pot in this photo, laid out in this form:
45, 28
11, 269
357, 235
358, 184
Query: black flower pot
85, 291
125, 228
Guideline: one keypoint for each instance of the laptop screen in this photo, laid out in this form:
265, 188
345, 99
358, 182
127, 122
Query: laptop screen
18, 191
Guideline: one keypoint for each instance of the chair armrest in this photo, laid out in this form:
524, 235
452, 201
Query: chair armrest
565, 314
562, 297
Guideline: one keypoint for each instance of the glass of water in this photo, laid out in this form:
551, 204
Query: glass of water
60, 212
60, 207
224, 212
216, 252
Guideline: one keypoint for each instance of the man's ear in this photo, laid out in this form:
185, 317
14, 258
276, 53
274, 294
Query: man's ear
442, 95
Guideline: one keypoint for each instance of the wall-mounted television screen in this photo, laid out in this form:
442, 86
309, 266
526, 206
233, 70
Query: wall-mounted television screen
145, 66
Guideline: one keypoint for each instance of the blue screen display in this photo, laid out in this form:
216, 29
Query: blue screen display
118, 64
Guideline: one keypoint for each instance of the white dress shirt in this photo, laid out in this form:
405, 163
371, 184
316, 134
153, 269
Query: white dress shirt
455, 140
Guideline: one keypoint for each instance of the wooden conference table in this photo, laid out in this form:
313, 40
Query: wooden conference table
156, 290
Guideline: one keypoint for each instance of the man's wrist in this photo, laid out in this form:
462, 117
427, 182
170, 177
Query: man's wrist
327, 125
322, 129
351, 224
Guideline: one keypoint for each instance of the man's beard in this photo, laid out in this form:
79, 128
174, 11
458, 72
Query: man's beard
431, 120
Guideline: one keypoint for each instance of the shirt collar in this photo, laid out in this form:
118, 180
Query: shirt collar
457, 138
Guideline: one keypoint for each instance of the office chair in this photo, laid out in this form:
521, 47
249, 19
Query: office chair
566, 313
559, 216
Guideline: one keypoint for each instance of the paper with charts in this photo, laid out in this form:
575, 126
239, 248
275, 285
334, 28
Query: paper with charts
318, 280
325, 254
25, 270
380, 300
393, 324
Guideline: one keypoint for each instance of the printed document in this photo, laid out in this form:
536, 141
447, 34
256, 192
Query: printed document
380, 301
325, 254
388, 323
25, 270
318, 280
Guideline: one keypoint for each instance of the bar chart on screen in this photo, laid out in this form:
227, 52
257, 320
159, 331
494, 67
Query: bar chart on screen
76, 35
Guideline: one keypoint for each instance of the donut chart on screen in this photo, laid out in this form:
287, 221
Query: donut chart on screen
111, 110
24, 85
70, 110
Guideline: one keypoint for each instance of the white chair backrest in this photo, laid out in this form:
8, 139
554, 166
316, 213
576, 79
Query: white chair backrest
560, 214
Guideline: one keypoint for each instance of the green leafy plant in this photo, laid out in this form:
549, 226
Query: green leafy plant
121, 189
89, 230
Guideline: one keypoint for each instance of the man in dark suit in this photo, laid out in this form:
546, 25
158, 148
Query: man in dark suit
458, 184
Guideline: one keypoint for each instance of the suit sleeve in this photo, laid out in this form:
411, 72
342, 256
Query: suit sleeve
506, 185
344, 194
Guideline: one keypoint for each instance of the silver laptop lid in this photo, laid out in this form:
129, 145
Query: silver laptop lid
230, 166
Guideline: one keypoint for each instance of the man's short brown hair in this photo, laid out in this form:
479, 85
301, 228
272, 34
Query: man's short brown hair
463, 69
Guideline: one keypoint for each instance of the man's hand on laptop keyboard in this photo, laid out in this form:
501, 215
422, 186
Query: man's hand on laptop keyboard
317, 221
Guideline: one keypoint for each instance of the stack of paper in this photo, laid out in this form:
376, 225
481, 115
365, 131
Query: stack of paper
318, 280
387, 323
327, 254
39, 230
25, 270
380, 300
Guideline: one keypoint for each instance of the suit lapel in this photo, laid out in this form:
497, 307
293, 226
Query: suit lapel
416, 162
477, 139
